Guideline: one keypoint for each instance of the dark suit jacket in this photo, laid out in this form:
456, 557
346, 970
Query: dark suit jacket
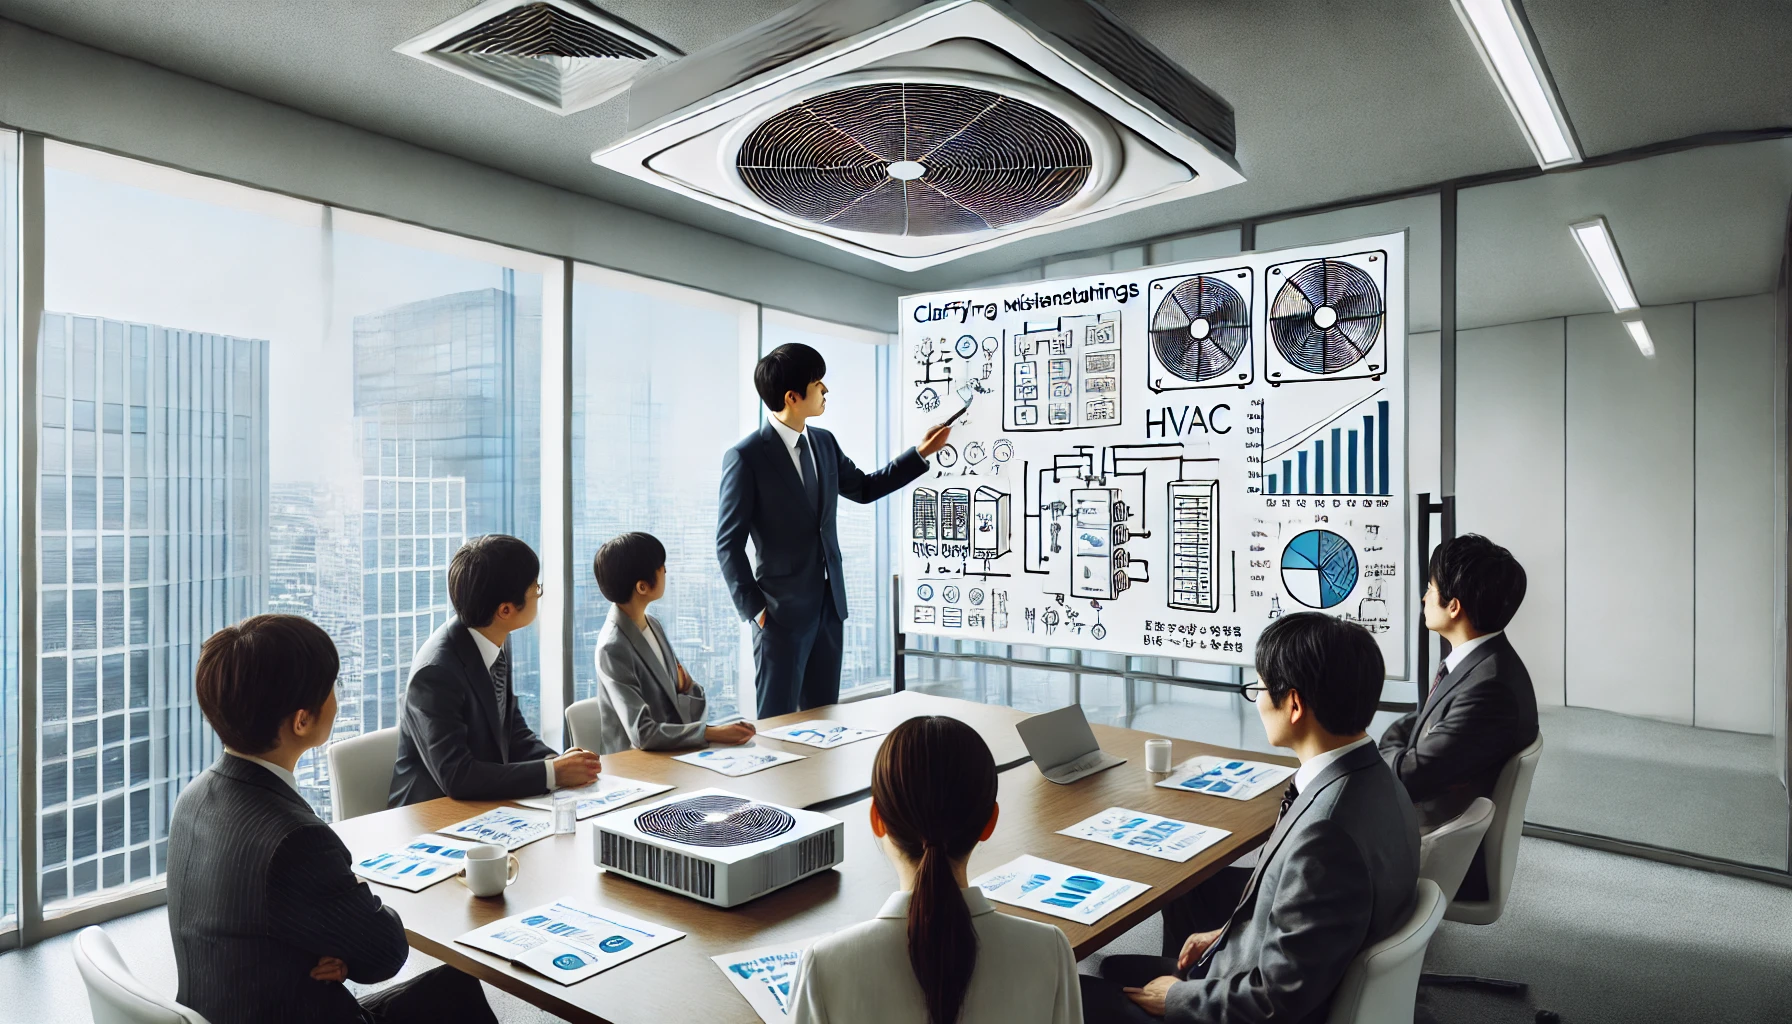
1337, 874
259, 888
762, 498
451, 740
1451, 750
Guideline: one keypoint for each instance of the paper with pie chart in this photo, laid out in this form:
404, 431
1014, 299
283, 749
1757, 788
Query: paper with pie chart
568, 942
1163, 461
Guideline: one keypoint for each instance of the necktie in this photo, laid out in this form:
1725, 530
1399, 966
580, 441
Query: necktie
1443, 669
501, 681
811, 488
1288, 796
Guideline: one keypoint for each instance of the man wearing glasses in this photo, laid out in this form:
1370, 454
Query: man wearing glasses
461, 734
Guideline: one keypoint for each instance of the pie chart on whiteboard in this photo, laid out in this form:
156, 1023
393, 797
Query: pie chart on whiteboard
1319, 568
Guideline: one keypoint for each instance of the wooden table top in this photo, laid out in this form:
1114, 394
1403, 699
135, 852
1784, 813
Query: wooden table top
829, 777
680, 976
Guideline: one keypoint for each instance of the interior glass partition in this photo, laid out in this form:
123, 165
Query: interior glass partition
12, 772
1639, 481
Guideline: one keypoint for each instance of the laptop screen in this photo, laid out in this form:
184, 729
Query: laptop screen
1058, 737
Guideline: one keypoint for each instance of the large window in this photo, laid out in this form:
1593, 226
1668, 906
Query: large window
858, 378
251, 403
11, 778
662, 385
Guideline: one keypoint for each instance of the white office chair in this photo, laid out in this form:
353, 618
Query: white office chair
1381, 985
114, 993
1446, 853
585, 723
1510, 794
361, 773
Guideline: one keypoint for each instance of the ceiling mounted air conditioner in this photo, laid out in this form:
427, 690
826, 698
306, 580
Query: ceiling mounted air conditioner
561, 55
918, 133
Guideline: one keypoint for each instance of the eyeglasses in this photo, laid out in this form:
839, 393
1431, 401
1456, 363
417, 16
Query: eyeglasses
1251, 691
538, 590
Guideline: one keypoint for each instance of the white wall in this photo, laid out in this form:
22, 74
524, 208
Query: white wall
79, 94
1639, 495
1734, 534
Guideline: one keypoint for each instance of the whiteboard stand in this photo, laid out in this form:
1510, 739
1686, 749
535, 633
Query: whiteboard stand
1444, 507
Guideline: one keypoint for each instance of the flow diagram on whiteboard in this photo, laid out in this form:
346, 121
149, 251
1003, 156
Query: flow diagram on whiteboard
1163, 461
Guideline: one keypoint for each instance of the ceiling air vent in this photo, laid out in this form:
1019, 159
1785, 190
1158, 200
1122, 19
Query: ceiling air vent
914, 133
561, 55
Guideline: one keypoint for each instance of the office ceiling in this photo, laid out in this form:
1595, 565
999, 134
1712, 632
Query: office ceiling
1333, 101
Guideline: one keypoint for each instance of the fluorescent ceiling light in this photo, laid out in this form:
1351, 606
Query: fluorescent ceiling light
1596, 242
1640, 335
1506, 46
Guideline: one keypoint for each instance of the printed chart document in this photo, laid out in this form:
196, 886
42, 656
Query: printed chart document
819, 733
606, 794
733, 761
763, 977
509, 827
567, 942
1058, 889
1222, 776
423, 863
1150, 834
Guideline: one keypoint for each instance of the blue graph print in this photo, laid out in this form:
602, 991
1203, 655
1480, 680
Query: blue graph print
1319, 568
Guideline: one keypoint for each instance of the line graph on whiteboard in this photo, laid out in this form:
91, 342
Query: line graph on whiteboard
1163, 461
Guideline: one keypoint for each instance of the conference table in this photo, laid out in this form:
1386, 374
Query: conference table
679, 980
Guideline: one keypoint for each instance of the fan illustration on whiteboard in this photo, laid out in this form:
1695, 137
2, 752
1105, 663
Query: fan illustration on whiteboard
1328, 319
1319, 568
1201, 331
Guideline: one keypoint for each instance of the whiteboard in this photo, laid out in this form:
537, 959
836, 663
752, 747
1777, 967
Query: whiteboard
1162, 461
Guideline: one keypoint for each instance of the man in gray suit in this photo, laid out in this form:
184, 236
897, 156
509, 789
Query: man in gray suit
650, 701
1337, 874
267, 917
461, 733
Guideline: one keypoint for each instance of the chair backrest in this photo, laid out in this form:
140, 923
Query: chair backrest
1510, 794
1382, 983
361, 773
114, 993
585, 723
1446, 852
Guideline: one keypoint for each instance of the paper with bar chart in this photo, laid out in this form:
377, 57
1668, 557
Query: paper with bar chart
1163, 461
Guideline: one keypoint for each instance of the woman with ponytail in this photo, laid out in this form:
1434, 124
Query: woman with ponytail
937, 953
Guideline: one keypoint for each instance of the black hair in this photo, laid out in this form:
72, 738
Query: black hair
489, 571
255, 675
787, 368
1336, 666
934, 785
1483, 576
625, 561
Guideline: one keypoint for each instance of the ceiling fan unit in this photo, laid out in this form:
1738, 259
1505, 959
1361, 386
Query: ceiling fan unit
918, 133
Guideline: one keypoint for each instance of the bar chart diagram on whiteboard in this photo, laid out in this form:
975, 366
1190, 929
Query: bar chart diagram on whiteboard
1163, 461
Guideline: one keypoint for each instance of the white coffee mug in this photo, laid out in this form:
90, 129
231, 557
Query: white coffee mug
1157, 755
490, 868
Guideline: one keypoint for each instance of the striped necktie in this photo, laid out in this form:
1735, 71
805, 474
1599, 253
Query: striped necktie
501, 682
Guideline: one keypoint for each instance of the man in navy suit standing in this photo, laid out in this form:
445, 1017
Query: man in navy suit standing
780, 487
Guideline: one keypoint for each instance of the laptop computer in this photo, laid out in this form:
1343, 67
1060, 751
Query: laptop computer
1063, 746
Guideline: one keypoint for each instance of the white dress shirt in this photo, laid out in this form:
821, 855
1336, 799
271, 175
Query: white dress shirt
796, 459
1310, 769
1025, 972
1464, 649
280, 773
490, 651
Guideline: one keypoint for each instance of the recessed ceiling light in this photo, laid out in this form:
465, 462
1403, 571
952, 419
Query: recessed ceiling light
1640, 334
1602, 252
1507, 48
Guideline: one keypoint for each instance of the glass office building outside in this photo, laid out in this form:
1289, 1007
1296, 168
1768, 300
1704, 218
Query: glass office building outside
447, 406
153, 514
